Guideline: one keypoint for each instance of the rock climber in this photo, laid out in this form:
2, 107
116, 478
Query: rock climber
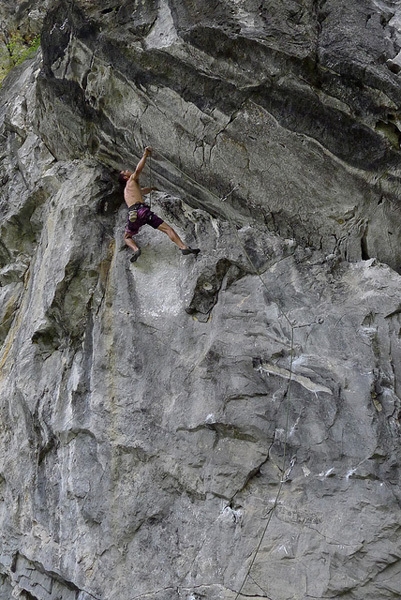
139, 213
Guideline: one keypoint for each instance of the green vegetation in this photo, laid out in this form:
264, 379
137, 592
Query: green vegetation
15, 50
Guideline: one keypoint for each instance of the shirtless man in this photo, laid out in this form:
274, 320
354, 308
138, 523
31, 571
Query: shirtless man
140, 214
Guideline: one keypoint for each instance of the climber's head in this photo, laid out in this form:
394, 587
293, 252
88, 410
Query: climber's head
124, 176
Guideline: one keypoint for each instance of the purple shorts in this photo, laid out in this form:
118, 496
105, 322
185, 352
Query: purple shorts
145, 217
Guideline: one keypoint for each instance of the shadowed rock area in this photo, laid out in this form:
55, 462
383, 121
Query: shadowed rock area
220, 427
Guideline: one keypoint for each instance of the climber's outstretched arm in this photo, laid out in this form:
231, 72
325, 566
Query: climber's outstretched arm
148, 190
140, 166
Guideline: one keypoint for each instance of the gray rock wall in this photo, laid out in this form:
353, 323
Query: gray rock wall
220, 427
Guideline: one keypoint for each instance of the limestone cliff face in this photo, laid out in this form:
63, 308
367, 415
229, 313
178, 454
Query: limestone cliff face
221, 427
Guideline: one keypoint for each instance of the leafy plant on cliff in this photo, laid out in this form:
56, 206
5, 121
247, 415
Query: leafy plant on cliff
16, 49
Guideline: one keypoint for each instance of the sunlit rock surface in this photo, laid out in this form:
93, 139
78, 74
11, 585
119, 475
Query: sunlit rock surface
218, 427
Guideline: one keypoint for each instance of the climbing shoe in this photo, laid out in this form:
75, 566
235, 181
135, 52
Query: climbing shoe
136, 255
190, 251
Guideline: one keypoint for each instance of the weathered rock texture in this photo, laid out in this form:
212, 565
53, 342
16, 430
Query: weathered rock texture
216, 428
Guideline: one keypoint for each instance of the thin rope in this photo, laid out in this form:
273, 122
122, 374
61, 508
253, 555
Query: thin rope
150, 180
288, 397
282, 479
